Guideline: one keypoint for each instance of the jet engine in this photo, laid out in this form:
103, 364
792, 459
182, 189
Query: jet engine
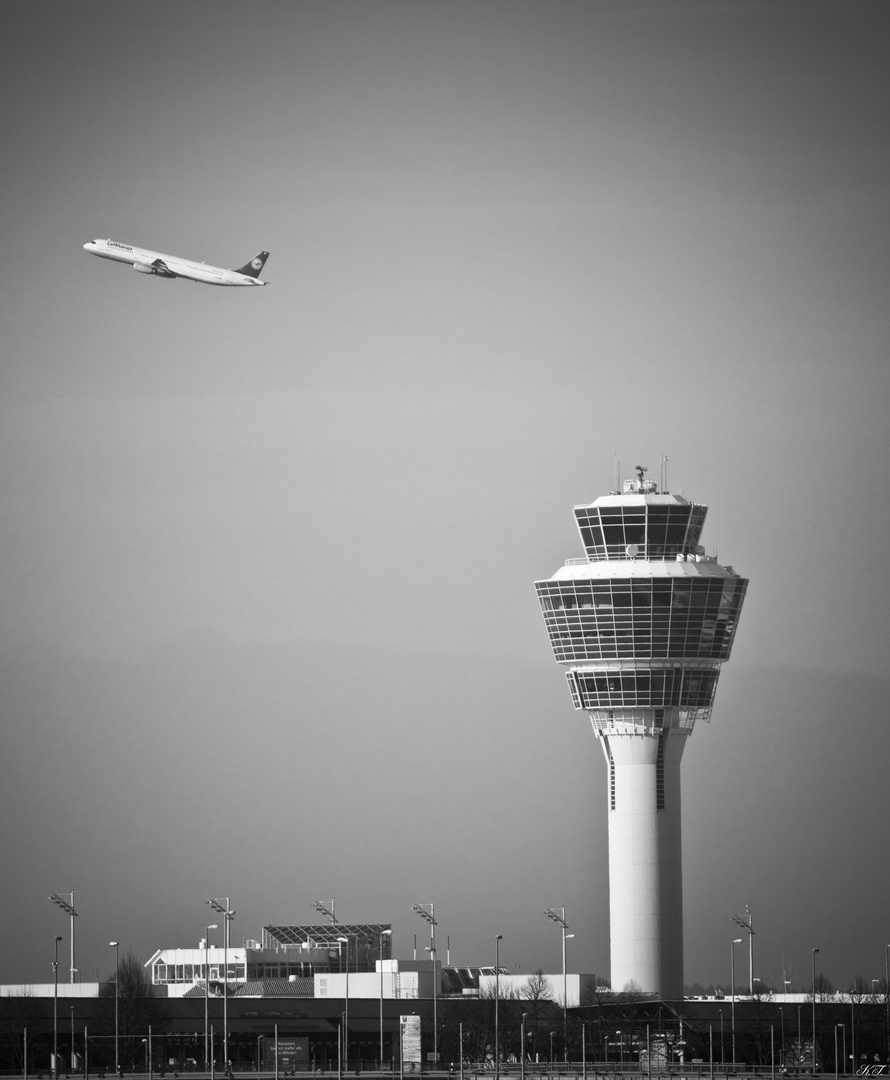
141, 268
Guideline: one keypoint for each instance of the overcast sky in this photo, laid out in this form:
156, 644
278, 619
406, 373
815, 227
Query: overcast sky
268, 627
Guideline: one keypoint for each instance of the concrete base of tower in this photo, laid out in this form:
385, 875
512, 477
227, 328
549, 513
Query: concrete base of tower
645, 873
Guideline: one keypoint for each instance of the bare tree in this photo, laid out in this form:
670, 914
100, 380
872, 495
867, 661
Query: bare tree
537, 991
22, 1012
129, 990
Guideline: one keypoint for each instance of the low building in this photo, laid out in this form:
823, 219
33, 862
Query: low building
284, 952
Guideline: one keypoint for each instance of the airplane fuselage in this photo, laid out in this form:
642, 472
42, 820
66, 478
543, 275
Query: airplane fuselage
146, 261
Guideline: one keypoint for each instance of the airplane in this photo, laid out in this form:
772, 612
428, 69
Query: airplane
169, 266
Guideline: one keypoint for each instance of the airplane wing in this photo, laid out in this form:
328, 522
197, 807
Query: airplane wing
162, 269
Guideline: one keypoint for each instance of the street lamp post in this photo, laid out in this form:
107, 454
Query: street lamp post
207, 929
522, 1047
782, 1021
68, 908
814, 1009
560, 920
228, 915
735, 941
799, 1037
117, 997
383, 934
852, 1058
497, 993
55, 1067
345, 941
836, 1066
887, 999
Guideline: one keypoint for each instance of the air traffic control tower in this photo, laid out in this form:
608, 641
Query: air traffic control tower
641, 626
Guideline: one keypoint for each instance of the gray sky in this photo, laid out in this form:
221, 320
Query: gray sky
268, 623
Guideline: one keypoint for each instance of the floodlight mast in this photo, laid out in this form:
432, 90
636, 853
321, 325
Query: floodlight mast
227, 915
430, 917
748, 924
68, 908
319, 906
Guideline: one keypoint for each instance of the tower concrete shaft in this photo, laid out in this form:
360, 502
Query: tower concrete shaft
641, 626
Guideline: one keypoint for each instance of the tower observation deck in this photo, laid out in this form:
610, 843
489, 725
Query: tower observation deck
641, 626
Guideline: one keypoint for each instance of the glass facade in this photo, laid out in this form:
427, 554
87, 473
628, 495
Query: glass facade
617, 618
661, 688
177, 973
656, 531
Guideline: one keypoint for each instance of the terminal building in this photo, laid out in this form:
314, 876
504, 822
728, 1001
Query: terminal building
286, 953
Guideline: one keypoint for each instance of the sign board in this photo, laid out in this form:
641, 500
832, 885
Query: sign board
409, 1037
293, 1054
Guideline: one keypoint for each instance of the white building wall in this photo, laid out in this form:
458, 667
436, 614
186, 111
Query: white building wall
516, 986
370, 984
44, 990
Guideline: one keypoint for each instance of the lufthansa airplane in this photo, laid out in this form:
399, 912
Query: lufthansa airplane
169, 266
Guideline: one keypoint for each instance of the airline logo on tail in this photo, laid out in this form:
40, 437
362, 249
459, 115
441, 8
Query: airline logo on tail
256, 264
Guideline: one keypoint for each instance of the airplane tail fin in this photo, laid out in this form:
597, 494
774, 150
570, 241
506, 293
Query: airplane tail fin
255, 266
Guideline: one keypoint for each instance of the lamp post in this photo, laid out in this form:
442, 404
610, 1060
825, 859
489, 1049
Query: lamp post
560, 920
207, 929
497, 993
836, 1070
852, 1058
227, 915
383, 934
735, 941
117, 997
814, 1009
522, 1047
782, 1022
799, 1037
552, 1033
68, 908
887, 999
345, 941
55, 1067
430, 917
